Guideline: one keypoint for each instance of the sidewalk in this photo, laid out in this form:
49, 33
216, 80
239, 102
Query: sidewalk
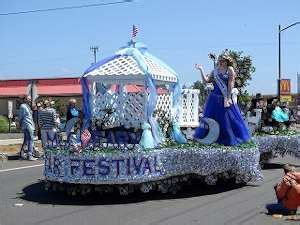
10, 148
5, 136
11, 141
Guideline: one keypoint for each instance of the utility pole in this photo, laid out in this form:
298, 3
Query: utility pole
94, 49
279, 62
279, 52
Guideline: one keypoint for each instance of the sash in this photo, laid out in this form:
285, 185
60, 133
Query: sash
221, 84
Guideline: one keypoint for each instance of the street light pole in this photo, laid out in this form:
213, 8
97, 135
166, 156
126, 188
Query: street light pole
279, 61
279, 52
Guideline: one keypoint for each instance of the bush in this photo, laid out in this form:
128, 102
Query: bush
4, 125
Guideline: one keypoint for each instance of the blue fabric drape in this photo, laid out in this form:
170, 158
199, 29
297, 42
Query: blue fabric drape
176, 132
150, 86
86, 99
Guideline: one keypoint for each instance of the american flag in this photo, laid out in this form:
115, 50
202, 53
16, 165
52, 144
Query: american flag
134, 32
85, 137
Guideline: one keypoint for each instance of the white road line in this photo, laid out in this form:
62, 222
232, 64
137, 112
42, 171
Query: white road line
20, 168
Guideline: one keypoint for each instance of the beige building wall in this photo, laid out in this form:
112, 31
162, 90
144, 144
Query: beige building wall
4, 106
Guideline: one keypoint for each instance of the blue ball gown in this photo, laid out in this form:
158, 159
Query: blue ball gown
233, 129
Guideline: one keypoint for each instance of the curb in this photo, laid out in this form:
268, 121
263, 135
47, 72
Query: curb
15, 156
8, 156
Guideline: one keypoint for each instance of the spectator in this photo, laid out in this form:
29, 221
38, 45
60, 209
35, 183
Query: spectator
72, 110
47, 123
279, 116
79, 136
35, 113
298, 114
57, 117
288, 194
27, 126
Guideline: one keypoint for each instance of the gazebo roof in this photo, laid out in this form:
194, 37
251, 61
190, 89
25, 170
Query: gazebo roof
131, 62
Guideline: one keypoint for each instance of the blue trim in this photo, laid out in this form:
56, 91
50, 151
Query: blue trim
100, 63
86, 99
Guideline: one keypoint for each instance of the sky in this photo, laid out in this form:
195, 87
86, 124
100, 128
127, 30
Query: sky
181, 33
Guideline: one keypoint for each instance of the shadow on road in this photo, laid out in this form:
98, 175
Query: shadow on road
36, 193
271, 166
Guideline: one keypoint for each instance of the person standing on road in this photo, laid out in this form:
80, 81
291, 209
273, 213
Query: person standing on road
47, 123
27, 126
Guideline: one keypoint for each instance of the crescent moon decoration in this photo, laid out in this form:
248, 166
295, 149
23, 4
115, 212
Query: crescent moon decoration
213, 131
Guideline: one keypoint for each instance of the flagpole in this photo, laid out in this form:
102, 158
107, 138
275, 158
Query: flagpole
133, 35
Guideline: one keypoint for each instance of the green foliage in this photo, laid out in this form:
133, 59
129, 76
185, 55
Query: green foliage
4, 125
203, 92
244, 69
244, 98
164, 121
60, 106
193, 144
283, 132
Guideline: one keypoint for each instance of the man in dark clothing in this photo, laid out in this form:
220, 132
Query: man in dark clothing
72, 110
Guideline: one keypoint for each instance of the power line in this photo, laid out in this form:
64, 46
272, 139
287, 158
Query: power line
67, 8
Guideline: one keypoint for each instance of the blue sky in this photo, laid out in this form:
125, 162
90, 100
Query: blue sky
179, 32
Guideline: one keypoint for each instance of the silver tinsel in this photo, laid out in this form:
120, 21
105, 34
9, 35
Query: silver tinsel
137, 167
274, 145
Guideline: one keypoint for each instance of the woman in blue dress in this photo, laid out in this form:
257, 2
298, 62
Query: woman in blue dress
220, 107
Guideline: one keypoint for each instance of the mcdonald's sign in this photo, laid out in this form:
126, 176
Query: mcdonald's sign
285, 86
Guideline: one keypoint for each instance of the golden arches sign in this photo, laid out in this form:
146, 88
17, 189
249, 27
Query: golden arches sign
285, 87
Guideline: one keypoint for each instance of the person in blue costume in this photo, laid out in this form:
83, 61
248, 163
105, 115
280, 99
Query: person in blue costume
220, 107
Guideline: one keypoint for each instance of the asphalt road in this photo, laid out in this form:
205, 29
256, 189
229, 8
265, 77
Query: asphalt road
24, 201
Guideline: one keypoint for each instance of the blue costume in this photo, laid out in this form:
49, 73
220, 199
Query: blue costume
279, 115
233, 130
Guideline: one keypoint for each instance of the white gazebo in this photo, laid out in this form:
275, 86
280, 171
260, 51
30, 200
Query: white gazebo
125, 89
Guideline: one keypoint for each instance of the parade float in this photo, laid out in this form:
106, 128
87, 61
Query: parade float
133, 110
273, 140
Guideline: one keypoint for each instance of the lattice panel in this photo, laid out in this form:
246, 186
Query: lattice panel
126, 109
134, 109
189, 112
164, 104
106, 108
124, 65
159, 72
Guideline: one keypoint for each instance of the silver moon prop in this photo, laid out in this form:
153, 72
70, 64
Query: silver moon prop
213, 131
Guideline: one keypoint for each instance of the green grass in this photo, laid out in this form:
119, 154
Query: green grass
4, 125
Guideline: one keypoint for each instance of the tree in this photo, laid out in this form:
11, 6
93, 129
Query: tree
203, 91
244, 69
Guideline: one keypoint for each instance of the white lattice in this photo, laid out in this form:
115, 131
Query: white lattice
189, 116
134, 109
127, 65
164, 104
105, 107
119, 109
128, 109
159, 72
124, 65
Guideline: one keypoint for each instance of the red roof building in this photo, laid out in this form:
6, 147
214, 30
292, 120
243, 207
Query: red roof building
59, 87
13, 88
45, 87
